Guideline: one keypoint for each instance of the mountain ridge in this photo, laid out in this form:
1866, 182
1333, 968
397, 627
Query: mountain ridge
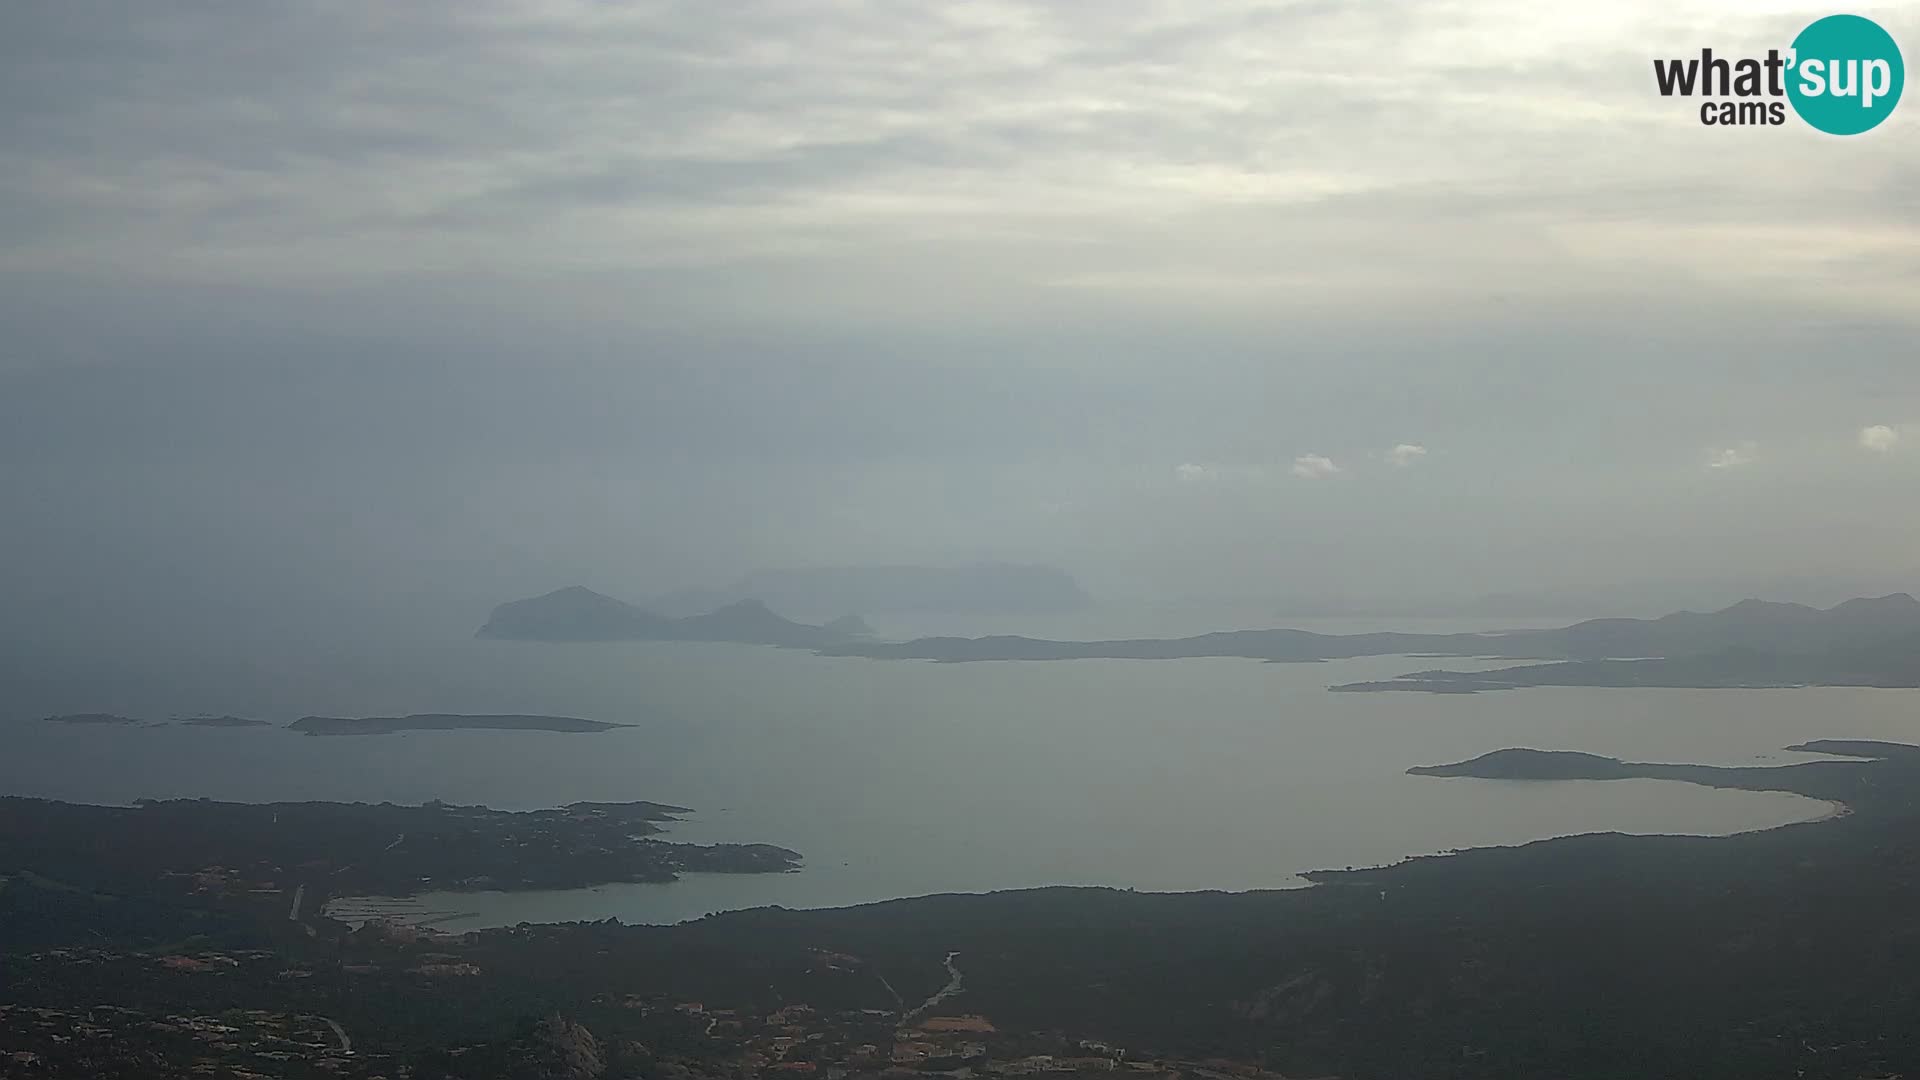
1750, 624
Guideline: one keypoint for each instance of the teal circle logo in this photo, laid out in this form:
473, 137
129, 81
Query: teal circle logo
1846, 75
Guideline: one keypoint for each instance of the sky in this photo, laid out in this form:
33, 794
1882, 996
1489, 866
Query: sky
321, 314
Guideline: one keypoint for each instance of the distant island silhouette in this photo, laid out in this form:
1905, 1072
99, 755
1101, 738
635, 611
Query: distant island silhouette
577, 613
220, 721
1754, 643
826, 591
381, 725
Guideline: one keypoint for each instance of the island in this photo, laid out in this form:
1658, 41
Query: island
221, 721
1887, 623
384, 725
93, 718
1753, 644
1521, 763
1862, 642
982, 589
1840, 782
578, 614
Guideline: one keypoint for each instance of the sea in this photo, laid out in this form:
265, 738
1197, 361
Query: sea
907, 778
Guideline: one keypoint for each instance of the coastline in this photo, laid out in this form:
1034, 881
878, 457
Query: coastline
493, 909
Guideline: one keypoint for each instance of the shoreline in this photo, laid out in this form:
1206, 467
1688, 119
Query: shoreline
1301, 880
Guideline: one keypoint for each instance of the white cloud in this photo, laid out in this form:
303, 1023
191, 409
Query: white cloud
1405, 454
1879, 438
1191, 473
1314, 467
1735, 456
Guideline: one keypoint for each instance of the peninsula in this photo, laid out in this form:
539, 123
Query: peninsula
1834, 781
183, 847
1894, 662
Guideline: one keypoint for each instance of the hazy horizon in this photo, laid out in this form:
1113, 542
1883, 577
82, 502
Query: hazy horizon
323, 318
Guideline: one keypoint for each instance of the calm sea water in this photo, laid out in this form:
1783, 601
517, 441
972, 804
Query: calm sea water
900, 779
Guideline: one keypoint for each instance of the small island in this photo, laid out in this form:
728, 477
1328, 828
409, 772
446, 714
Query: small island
221, 721
386, 725
1525, 764
94, 718
1873, 779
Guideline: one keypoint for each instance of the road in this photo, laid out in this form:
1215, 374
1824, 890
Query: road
293, 912
945, 992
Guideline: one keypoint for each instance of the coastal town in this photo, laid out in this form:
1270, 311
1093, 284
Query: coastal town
635, 1036
194, 939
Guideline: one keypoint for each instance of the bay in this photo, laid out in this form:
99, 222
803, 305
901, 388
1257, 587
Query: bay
904, 778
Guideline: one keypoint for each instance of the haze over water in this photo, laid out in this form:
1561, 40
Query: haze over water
899, 779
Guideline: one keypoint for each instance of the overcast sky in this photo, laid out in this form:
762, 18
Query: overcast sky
339, 307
